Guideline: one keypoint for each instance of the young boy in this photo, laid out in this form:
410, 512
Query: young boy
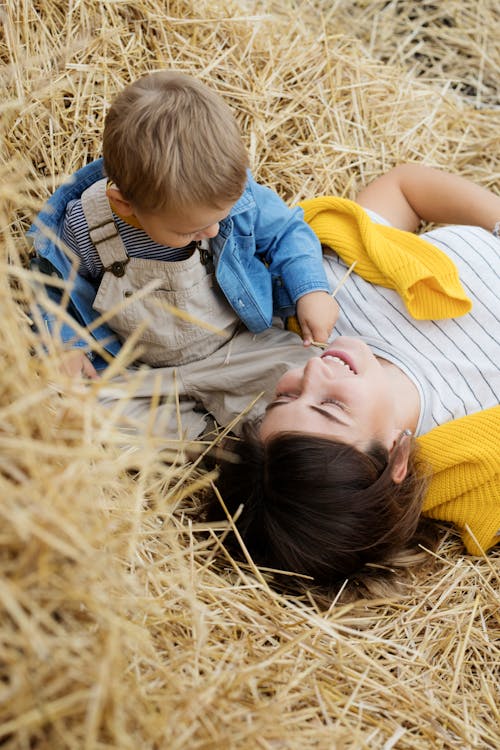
171, 220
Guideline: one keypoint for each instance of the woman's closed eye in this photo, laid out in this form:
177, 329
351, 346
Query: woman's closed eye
334, 401
283, 398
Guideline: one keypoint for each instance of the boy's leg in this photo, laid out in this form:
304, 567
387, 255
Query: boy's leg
245, 369
165, 401
149, 402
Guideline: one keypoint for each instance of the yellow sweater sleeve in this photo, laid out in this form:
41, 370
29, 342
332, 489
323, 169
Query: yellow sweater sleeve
464, 458
426, 278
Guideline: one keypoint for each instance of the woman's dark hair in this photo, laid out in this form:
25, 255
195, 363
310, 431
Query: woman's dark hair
315, 506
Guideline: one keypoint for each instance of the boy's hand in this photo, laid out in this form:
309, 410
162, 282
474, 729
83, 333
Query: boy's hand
75, 363
317, 313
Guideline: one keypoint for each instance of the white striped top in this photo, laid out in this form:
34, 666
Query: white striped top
454, 363
137, 243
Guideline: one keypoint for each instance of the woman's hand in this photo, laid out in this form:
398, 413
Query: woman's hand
317, 313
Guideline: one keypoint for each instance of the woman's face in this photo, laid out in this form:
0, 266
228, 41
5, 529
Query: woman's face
347, 394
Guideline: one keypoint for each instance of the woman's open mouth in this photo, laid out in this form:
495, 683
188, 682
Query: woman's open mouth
343, 359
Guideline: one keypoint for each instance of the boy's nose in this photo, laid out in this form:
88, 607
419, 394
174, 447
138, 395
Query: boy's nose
208, 232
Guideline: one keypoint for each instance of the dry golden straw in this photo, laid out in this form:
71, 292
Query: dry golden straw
122, 627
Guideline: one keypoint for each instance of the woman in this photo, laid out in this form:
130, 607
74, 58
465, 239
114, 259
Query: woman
330, 479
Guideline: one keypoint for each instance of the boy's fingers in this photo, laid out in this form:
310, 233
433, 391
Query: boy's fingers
307, 336
88, 369
76, 364
320, 334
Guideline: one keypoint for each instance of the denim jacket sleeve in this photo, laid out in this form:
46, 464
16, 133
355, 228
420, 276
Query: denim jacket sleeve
289, 248
45, 234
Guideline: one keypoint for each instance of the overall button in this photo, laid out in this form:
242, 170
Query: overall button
205, 254
118, 267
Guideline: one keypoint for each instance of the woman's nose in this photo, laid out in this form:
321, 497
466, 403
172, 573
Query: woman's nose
314, 365
313, 371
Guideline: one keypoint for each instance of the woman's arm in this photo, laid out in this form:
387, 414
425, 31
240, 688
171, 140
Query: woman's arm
410, 193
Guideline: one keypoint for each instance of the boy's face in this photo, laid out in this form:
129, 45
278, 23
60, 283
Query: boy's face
181, 228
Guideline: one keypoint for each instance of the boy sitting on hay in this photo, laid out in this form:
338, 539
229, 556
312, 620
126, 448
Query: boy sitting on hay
178, 239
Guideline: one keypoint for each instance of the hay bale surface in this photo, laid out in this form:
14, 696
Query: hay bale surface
122, 628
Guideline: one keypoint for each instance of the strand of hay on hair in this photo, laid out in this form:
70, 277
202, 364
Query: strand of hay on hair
123, 625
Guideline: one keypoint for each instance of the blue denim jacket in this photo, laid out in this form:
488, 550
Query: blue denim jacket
266, 257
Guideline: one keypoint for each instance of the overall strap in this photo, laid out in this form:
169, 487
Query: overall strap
102, 228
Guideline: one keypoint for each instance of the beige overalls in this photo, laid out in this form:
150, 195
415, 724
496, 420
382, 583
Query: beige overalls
148, 293
220, 371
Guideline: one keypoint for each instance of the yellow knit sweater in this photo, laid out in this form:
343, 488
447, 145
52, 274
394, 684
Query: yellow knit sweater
463, 455
464, 458
426, 278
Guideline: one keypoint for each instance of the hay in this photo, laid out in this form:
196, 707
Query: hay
121, 628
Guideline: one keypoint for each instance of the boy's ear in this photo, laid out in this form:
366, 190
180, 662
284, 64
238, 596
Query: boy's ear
122, 205
402, 449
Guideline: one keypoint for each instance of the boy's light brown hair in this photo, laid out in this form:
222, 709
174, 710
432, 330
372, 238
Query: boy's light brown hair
170, 142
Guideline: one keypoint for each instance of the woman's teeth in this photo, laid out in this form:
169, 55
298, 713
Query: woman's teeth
337, 359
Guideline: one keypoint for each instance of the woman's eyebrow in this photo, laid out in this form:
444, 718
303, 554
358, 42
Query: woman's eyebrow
328, 415
323, 412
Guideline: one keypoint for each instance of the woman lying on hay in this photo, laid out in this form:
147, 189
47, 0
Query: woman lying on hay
331, 480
